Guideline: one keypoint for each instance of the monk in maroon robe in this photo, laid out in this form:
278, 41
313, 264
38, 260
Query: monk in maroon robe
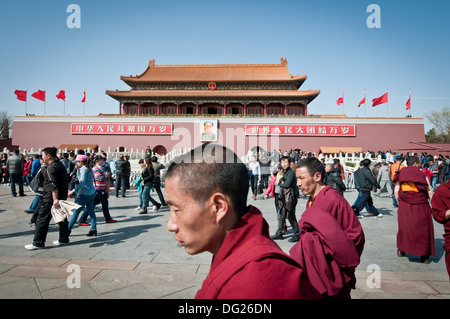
441, 213
207, 191
325, 252
250, 265
310, 174
415, 234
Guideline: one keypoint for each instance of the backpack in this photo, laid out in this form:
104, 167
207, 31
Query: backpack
67, 165
35, 185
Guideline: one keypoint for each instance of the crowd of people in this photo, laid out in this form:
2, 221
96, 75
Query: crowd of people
54, 177
410, 180
217, 218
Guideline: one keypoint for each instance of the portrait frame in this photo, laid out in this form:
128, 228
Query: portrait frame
208, 133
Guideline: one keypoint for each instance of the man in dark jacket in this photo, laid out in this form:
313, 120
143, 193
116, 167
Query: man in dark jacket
333, 178
122, 172
55, 189
287, 199
15, 165
366, 181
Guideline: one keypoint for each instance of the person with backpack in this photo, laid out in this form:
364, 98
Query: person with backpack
395, 167
100, 188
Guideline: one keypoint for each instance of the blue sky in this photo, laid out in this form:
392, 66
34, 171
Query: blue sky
327, 40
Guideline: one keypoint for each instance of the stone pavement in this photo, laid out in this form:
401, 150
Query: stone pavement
138, 258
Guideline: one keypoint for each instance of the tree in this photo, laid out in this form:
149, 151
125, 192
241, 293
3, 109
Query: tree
5, 124
441, 122
432, 137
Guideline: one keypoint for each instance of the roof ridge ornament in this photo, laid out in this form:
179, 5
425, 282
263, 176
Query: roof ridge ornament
151, 62
283, 61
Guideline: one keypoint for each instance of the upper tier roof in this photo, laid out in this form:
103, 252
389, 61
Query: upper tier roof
215, 73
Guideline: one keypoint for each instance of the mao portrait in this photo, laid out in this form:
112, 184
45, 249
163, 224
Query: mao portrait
208, 131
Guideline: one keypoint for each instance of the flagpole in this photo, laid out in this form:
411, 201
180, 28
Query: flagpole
387, 108
343, 102
64, 112
410, 103
365, 102
44, 101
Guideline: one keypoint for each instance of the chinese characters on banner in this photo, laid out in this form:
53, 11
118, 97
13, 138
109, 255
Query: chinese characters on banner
299, 130
121, 128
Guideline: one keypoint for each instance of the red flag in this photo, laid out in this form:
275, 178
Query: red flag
40, 95
21, 95
84, 97
408, 103
340, 101
61, 95
362, 101
380, 100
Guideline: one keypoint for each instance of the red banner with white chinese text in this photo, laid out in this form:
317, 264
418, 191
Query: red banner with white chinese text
121, 128
300, 130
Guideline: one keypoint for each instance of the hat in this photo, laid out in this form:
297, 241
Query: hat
81, 158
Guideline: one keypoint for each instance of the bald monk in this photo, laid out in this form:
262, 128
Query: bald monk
440, 204
415, 234
206, 190
310, 174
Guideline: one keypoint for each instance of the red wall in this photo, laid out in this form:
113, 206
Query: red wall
39, 133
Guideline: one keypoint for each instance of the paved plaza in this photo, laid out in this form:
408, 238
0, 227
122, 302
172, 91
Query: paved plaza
138, 258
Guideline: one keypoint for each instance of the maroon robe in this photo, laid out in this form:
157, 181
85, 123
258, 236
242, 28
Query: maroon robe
249, 265
325, 252
440, 204
332, 202
415, 234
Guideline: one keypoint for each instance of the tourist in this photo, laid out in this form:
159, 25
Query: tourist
333, 178
15, 165
358, 198
206, 190
127, 172
68, 164
36, 166
84, 194
73, 181
366, 182
255, 175
27, 170
4, 174
122, 173
100, 188
157, 167
310, 174
415, 234
265, 164
434, 168
384, 180
55, 189
273, 188
287, 201
148, 175
393, 170
426, 170
440, 203
138, 183
148, 152
443, 170
37, 201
